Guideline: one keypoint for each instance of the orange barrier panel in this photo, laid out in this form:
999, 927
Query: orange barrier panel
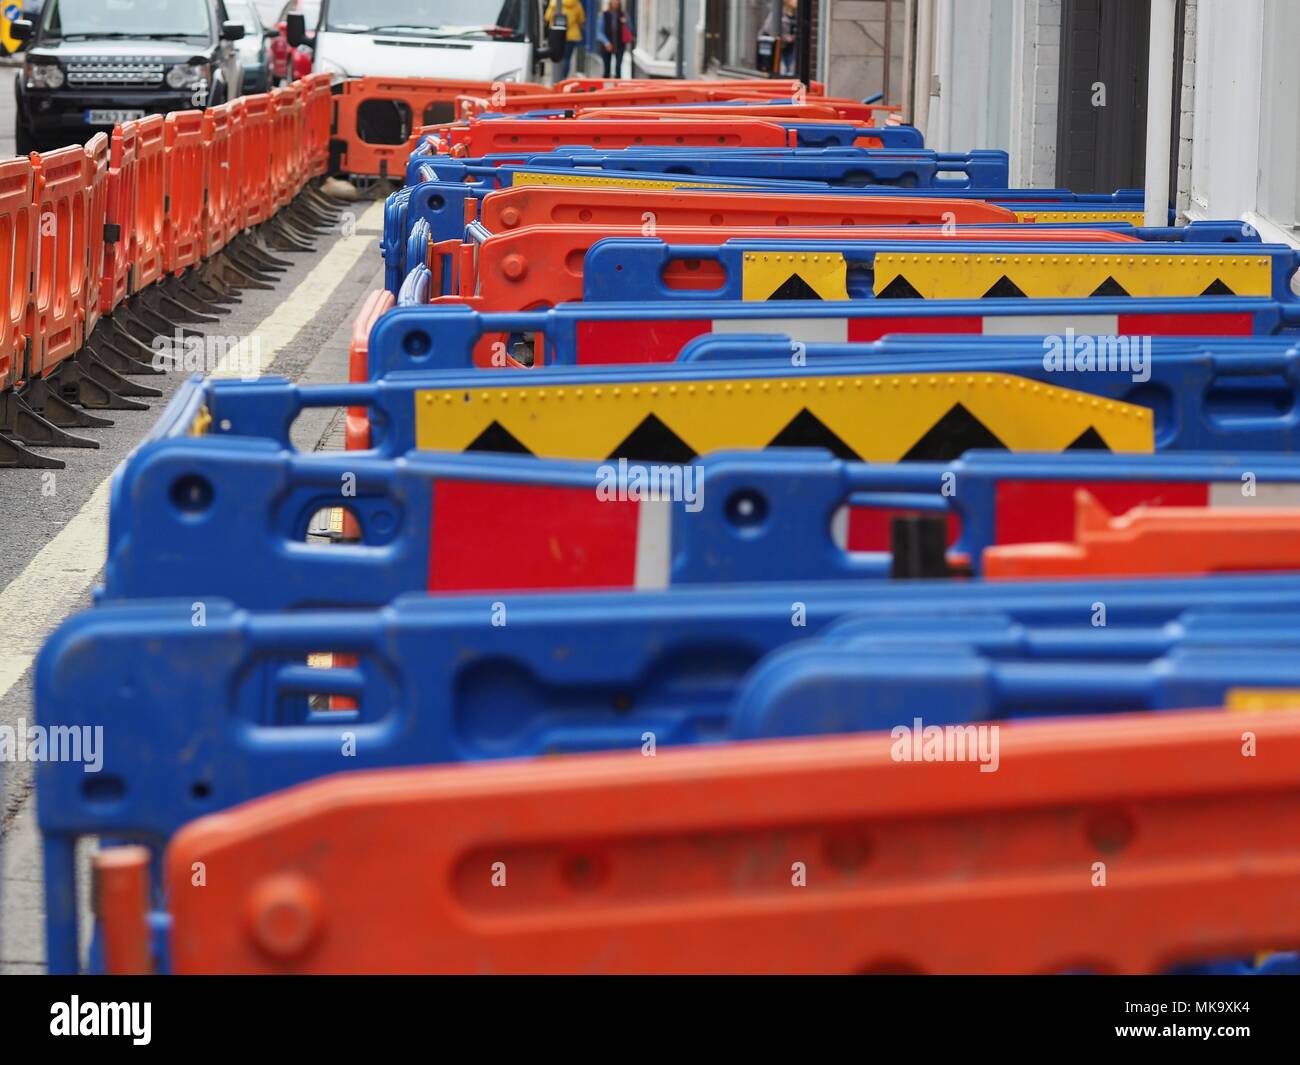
57, 311
258, 169
292, 110
525, 269
357, 423
17, 248
1149, 541
183, 171
524, 135
421, 101
815, 109
645, 94
281, 148
533, 205
813, 856
763, 86
147, 253
97, 154
219, 178
319, 110
119, 218
237, 153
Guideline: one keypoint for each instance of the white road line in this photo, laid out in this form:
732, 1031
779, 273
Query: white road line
52, 584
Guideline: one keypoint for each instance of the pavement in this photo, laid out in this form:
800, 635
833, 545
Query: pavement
53, 524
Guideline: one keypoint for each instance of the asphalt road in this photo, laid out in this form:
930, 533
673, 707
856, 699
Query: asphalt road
53, 528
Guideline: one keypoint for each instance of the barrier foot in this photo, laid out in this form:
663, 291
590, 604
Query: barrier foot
146, 324
322, 199
166, 305
91, 367
281, 236
47, 402
114, 333
19, 422
188, 296
115, 358
13, 456
76, 386
305, 218
251, 245
222, 270
199, 287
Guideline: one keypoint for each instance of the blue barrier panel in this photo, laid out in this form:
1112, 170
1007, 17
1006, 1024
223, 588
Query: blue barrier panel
440, 522
224, 715
445, 336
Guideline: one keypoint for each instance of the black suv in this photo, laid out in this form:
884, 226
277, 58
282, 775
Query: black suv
94, 63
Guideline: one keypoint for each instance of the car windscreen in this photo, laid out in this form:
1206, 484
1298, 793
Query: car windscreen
453, 17
126, 18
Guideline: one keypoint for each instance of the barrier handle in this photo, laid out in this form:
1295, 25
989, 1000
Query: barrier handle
620, 268
351, 631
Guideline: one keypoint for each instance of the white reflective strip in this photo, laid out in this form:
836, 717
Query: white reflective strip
1231, 494
1051, 324
809, 330
653, 543
840, 527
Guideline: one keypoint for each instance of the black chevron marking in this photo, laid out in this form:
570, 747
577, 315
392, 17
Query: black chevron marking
1004, 288
956, 432
1110, 287
1217, 288
496, 437
794, 287
1089, 440
899, 289
653, 441
805, 429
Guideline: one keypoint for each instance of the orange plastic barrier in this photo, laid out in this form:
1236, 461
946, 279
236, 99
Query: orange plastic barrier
147, 254
219, 177
256, 176
357, 422
97, 156
183, 171
56, 316
526, 269
644, 94
503, 135
815, 109
762, 86
533, 205
119, 218
281, 147
424, 102
812, 856
1151, 541
17, 249
319, 104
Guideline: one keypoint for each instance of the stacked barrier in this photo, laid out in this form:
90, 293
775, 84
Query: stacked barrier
765, 439
113, 244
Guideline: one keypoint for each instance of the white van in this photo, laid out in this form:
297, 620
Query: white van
424, 39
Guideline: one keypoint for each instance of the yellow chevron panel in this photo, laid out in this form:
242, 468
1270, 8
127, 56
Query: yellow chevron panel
763, 273
957, 275
1137, 218
878, 416
588, 180
1255, 700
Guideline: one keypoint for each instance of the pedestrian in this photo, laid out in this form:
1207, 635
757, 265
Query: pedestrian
570, 17
615, 36
786, 29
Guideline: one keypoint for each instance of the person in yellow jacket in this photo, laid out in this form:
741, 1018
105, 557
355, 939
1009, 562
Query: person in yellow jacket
574, 16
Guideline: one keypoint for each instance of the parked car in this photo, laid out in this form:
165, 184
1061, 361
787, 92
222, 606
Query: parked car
255, 47
90, 66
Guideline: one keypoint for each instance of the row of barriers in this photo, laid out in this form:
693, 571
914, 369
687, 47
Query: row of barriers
770, 546
108, 246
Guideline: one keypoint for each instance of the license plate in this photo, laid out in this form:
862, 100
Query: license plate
111, 118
